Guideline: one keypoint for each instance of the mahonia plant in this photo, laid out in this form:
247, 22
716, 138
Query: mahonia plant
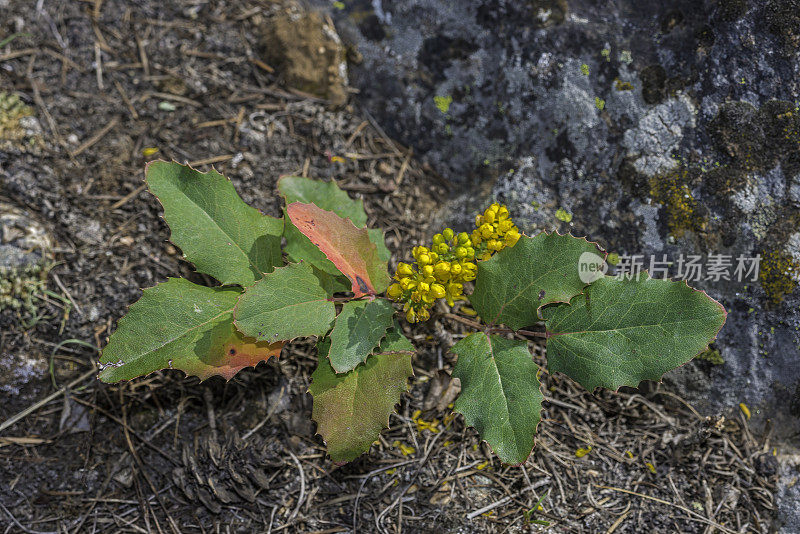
319, 272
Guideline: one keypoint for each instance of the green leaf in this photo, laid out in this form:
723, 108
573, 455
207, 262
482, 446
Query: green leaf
181, 325
512, 286
215, 229
623, 331
359, 328
377, 237
288, 303
331, 283
348, 247
327, 196
500, 393
351, 408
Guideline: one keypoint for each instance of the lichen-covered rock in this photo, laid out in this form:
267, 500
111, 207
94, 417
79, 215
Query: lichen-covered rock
657, 128
26, 255
19, 127
307, 52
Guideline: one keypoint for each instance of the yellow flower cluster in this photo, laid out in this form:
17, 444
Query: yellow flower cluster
440, 271
495, 231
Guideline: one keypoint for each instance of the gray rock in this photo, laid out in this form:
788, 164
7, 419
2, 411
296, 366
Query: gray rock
664, 128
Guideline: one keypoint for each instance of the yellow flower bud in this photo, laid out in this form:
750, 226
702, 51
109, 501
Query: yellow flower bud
494, 244
411, 316
455, 269
442, 269
478, 220
404, 270
423, 259
437, 290
512, 237
394, 291
505, 226
463, 238
470, 252
423, 314
475, 238
486, 230
424, 287
434, 257
488, 216
485, 256
448, 234
427, 270
455, 289
468, 276
461, 252
495, 207
442, 248
437, 239
502, 213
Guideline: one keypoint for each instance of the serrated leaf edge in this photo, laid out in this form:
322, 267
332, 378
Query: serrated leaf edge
125, 318
539, 308
548, 334
377, 346
169, 226
388, 415
239, 299
374, 247
535, 429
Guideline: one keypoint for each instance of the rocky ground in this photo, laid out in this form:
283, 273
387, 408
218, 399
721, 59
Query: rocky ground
258, 89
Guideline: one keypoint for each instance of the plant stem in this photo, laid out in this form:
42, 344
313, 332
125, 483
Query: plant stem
478, 326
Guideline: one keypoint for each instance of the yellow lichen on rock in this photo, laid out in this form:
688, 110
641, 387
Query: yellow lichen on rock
672, 191
778, 274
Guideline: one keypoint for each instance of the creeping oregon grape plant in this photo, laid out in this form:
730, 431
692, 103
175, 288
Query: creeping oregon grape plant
328, 279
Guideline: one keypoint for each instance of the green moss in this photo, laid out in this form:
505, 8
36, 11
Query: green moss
443, 102
19, 286
681, 209
777, 273
12, 111
599, 103
563, 215
711, 356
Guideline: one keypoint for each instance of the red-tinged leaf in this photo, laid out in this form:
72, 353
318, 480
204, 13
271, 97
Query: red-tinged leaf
348, 247
181, 325
234, 355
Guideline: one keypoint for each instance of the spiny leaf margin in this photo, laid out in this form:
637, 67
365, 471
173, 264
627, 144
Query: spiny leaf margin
601, 339
216, 231
500, 393
352, 408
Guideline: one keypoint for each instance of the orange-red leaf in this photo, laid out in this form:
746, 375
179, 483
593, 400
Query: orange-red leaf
181, 325
234, 355
348, 247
